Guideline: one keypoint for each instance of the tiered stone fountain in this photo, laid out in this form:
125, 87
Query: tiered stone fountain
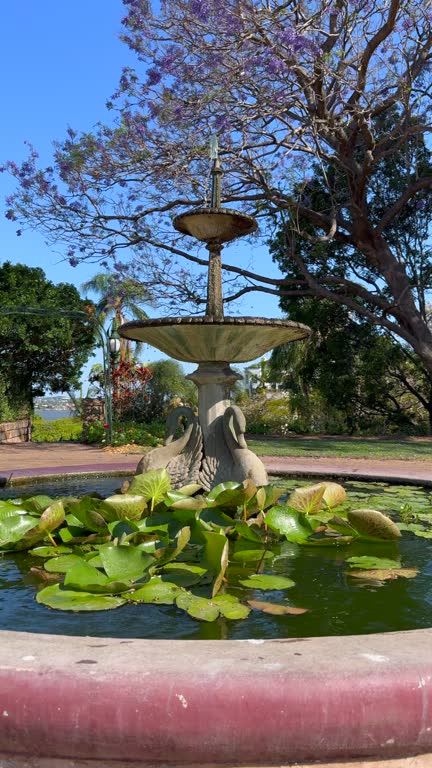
212, 448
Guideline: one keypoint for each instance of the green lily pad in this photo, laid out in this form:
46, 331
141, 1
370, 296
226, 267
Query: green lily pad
290, 523
198, 607
125, 506
230, 607
369, 562
125, 562
183, 574
156, 591
62, 563
151, 485
61, 599
267, 581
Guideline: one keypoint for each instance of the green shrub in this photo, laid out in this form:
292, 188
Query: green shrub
69, 428
127, 433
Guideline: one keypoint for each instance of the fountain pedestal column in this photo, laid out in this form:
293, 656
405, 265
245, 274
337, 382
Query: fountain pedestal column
214, 381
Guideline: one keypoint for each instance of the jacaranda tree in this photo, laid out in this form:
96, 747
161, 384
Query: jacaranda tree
288, 86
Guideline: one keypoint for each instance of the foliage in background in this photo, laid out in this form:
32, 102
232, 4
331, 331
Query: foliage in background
167, 386
349, 377
57, 430
120, 297
38, 352
128, 433
289, 87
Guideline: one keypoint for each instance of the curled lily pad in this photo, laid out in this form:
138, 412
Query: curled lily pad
307, 500
382, 574
126, 506
373, 524
334, 494
61, 599
267, 581
276, 609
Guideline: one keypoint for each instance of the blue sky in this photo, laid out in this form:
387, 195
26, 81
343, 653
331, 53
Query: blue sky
59, 63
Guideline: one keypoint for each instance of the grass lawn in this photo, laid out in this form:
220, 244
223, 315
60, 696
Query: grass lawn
409, 449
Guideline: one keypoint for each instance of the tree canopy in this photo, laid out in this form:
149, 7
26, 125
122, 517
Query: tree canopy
38, 352
289, 87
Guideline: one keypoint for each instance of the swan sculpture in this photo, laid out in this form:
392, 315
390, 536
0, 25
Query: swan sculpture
181, 457
225, 457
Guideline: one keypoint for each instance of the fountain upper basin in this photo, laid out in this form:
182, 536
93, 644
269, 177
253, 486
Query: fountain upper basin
233, 339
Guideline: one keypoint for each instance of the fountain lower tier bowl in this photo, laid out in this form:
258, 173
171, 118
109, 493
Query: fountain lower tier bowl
233, 339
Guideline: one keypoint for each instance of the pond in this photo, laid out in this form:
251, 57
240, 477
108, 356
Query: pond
335, 603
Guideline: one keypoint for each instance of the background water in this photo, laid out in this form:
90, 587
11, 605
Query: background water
49, 414
336, 603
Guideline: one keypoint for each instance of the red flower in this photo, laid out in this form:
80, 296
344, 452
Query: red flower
106, 426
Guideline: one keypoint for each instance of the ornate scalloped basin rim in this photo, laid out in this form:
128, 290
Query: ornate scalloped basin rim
199, 339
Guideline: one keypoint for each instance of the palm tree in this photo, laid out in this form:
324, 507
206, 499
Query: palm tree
120, 297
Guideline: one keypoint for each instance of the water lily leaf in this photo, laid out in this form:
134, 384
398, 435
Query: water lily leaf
230, 607
307, 500
289, 523
178, 500
424, 534
383, 574
248, 552
245, 531
62, 563
334, 494
216, 516
215, 557
125, 506
265, 497
341, 525
215, 492
85, 577
370, 562
276, 609
10, 510
86, 513
50, 551
373, 524
125, 562
67, 600
198, 607
52, 517
183, 574
156, 591
152, 485
267, 581
180, 541
12, 529
328, 541
190, 490
38, 503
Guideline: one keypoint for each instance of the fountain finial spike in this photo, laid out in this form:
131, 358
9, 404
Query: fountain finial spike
216, 173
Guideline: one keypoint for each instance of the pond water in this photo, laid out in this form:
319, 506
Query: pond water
336, 603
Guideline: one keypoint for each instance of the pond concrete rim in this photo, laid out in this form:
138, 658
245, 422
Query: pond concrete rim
246, 702
92, 701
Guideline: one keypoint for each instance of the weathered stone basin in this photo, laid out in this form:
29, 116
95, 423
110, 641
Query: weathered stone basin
197, 339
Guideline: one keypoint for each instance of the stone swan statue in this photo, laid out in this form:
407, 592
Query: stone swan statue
180, 457
233, 460
187, 461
